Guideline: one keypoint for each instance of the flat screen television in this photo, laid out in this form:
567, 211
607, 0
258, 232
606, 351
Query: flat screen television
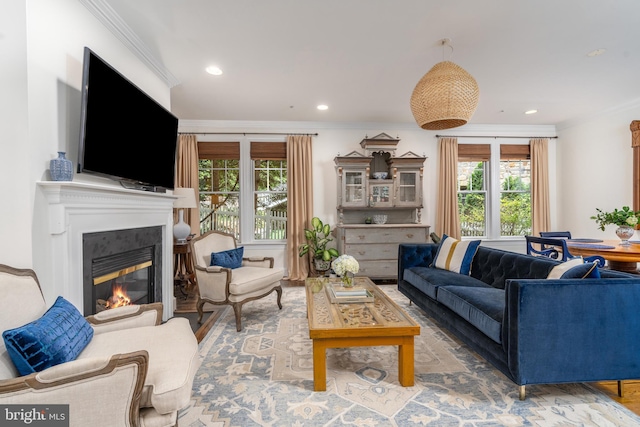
124, 134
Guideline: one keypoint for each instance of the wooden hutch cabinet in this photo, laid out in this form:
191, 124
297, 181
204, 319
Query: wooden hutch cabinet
377, 182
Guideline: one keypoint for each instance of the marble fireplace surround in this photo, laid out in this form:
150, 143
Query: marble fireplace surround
71, 209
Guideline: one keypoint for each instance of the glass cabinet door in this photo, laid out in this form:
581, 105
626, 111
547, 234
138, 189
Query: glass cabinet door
353, 188
407, 189
380, 195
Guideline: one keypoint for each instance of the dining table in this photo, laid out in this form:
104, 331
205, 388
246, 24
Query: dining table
618, 257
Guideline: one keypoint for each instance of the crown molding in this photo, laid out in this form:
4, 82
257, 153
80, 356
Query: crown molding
202, 126
114, 23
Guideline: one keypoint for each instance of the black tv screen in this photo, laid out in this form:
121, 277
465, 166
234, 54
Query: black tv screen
124, 133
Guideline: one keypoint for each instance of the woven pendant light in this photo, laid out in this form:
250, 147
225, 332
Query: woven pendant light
446, 97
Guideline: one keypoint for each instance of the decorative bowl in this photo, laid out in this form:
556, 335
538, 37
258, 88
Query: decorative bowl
380, 219
380, 175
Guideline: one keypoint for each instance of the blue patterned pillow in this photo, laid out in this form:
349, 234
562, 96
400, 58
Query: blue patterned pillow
57, 337
228, 259
456, 255
588, 270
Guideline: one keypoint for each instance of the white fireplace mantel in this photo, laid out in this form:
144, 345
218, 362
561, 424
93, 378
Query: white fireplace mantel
70, 209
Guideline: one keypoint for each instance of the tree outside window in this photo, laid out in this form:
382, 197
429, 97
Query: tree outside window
486, 187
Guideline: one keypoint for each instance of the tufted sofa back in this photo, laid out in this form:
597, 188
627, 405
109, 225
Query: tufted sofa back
495, 266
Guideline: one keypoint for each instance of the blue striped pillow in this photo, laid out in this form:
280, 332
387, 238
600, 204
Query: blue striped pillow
456, 255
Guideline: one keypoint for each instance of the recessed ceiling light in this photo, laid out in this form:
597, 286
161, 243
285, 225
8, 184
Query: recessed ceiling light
214, 70
322, 107
531, 111
596, 52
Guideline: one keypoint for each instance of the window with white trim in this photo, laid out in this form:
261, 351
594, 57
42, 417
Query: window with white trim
494, 197
243, 188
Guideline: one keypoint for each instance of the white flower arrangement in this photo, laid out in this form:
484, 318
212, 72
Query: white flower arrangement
344, 264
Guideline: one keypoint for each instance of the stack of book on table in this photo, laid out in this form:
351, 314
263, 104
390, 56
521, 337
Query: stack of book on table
338, 294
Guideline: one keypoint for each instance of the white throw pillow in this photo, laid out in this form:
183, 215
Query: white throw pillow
557, 271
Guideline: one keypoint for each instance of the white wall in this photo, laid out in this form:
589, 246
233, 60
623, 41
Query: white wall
41, 53
595, 170
16, 187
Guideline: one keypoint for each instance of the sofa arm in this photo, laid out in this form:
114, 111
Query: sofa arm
414, 255
111, 387
572, 330
131, 316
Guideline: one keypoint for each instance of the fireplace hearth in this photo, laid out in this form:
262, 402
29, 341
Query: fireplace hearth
122, 267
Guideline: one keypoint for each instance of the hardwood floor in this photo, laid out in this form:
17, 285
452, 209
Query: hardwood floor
631, 394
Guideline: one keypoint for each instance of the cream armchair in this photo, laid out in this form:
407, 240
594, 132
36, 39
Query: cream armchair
254, 279
133, 372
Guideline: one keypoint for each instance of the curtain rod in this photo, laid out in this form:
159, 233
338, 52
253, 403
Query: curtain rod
494, 137
245, 133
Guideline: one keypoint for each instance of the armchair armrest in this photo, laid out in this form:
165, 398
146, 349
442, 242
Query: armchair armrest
131, 316
111, 386
266, 262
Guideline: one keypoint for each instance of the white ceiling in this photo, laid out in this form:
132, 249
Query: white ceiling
363, 57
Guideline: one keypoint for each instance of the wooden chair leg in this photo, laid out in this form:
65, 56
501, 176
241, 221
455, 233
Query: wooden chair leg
279, 291
621, 388
237, 309
199, 308
522, 392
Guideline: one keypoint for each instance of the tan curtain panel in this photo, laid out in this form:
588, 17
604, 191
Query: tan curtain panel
299, 201
187, 176
540, 210
447, 218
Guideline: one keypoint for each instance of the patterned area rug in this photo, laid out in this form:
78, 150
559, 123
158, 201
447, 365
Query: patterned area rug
263, 376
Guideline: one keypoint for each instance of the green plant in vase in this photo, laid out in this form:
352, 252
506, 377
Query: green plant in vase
318, 237
626, 219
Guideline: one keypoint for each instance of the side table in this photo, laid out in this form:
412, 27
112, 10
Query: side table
183, 271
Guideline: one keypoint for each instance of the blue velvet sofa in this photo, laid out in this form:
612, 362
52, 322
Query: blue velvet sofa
534, 330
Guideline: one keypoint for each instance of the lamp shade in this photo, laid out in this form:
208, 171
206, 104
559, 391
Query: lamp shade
186, 198
445, 97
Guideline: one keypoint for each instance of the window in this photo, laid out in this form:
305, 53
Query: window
219, 176
270, 190
502, 186
244, 194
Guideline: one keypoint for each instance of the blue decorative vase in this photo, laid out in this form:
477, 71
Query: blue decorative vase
61, 168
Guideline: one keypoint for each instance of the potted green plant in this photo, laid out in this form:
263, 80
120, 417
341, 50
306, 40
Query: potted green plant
318, 237
626, 219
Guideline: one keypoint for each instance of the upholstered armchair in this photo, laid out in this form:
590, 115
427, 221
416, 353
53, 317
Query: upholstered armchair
224, 276
130, 371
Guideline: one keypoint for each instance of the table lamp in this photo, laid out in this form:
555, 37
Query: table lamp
186, 200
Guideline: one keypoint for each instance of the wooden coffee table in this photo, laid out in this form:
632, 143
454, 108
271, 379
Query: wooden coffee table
376, 323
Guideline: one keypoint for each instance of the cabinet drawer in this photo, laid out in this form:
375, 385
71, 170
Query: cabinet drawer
385, 235
372, 251
379, 269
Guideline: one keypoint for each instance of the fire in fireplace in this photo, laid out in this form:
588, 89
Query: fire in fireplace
121, 267
126, 286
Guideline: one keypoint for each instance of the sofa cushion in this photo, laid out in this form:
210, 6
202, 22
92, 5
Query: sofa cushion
483, 307
429, 279
588, 270
557, 271
173, 360
249, 279
455, 255
57, 337
228, 259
